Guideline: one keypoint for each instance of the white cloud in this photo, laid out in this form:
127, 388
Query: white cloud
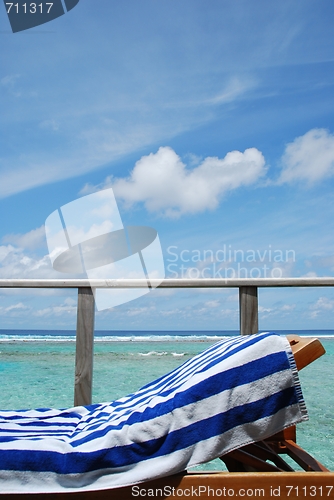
16, 306
31, 173
273, 312
13, 310
146, 86
164, 184
38, 168
33, 239
265, 309
288, 307
8, 82
67, 308
229, 313
95, 140
322, 304
172, 312
15, 263
138, 311
309, 158
233, 90
212, 303
17, 258
6, 250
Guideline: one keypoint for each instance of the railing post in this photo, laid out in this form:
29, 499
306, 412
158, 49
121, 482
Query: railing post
84, 347
248, 308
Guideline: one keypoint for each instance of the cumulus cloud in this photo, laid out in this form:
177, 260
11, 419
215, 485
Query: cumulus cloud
323, 304
32, 240
18, 259
25, 257
15, 263
164, 183
309, 158
18, 263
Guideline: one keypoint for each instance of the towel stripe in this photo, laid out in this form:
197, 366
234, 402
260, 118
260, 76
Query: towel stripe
237, 391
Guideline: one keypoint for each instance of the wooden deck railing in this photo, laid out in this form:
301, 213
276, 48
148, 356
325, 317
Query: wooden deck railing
248, 307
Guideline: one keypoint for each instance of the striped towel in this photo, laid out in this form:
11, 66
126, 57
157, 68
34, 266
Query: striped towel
236, 392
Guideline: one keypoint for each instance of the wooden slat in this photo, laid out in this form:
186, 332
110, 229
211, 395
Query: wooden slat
301, 457
84, 348
248, 309
289, 433
264, 451
250, 460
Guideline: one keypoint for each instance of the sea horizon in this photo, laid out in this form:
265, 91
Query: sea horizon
57, 335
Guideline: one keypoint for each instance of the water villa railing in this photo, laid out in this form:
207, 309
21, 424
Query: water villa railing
248, 309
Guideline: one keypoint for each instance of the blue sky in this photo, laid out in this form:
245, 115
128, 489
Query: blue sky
212, 122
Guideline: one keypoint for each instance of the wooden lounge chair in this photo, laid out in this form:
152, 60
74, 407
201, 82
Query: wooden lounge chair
255, 470
255, 457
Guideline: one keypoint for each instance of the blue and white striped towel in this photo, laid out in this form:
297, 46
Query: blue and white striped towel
236, 392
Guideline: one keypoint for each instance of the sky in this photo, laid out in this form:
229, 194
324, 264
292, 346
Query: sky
212, 122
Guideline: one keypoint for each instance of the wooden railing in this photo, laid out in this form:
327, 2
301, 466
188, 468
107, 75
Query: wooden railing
248, 308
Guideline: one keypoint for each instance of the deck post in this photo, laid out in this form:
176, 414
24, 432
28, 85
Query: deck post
248, 309
84, 347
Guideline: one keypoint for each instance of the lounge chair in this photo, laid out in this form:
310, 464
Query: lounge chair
257, 426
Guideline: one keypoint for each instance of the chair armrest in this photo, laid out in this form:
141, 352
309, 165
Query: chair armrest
305, 350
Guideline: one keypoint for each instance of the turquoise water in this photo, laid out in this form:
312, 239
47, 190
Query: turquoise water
37, 370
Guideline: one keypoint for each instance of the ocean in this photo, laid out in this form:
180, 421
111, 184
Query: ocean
37, 370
